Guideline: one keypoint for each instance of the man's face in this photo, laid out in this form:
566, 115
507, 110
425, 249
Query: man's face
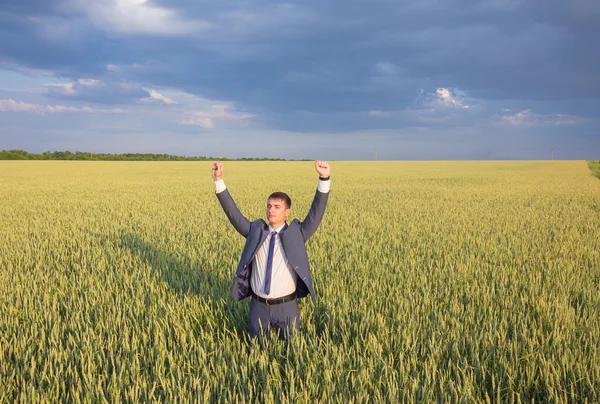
277, 212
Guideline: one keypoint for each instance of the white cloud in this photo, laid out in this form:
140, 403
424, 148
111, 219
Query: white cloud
10, 105
138, 17
199, 120
96, 91
450, 108
222, 114
63, 88
89, 82
523, 118
443, 106
444, 97
72, 87
132, 67
379, 113
206, 113
529, 118
156, 97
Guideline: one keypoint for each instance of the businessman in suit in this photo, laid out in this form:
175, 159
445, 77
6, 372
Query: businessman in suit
273, 270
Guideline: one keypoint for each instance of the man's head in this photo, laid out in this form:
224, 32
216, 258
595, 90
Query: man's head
278, 208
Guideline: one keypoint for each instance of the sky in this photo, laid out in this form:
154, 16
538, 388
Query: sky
335, 80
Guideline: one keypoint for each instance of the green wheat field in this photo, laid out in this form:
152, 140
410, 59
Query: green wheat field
436, 282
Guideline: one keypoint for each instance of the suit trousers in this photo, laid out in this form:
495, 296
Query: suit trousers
283, 318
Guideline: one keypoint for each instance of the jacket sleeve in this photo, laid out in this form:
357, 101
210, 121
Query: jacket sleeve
239, 221
311, 223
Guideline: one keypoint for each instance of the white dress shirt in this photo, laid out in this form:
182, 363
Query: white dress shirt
283, 276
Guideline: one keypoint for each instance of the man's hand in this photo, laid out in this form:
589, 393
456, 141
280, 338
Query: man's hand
217, 171
322, 168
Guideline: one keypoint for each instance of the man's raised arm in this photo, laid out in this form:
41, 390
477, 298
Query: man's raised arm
317, 209
241, 224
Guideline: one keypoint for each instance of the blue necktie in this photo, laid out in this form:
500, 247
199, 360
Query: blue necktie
270, 263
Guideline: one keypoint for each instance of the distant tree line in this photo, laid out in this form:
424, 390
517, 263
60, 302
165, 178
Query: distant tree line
67, 155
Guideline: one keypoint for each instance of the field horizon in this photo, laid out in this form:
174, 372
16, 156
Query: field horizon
22, 155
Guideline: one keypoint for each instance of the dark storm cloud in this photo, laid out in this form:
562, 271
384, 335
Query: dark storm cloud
54, 43
329, 59
327, 62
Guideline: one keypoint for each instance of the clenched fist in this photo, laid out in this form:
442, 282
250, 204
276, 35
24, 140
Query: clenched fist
217, 171
322, 168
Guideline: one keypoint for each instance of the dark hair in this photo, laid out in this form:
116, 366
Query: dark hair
283, 196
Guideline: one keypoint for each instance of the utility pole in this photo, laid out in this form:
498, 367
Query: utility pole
376, 150
552, 153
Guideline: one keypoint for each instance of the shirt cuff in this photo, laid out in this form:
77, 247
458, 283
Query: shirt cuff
324, 186
220, 186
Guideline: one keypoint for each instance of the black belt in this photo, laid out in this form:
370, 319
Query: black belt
276, 300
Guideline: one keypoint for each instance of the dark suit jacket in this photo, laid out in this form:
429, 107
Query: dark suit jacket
292, 240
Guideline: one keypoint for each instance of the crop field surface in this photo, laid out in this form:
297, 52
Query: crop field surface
436, 282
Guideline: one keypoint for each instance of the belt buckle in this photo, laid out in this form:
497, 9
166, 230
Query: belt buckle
267, 301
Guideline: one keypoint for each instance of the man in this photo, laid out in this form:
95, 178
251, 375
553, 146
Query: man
274, 269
